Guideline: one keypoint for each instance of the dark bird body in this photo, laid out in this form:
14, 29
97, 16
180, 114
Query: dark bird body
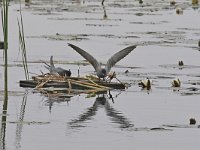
57, 70
103, 72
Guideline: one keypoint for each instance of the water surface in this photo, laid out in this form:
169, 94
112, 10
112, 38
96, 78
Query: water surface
133, 118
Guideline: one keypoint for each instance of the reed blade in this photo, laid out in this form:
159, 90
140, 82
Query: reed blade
23, 44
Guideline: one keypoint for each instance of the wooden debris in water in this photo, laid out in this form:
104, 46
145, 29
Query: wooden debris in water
181, 126
78, 83
57, 87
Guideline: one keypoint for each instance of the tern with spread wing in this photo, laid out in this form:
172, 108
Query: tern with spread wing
103, 72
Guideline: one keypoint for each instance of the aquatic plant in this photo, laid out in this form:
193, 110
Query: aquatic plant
102, 2
180, 63
145, 84
22, 43
195, 2
141, 1
172, 2
192, 121
4, 16
176, 83
179, 11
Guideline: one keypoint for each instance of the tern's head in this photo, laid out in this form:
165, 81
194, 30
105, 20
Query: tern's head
102, 73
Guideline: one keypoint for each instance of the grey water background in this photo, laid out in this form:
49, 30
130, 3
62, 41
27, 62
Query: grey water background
134, 118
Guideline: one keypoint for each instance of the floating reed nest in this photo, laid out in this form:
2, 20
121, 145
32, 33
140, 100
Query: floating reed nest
73, 83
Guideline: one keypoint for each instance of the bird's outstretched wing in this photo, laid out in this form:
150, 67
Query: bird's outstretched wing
47, 66
118, 56
87, 56
52, 67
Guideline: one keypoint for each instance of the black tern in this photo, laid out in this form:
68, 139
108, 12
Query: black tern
57, 70
103, 72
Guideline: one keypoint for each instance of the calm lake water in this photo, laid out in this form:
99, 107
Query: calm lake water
134, 118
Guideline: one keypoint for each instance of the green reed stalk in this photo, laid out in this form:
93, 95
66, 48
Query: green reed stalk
23, 44
4, 15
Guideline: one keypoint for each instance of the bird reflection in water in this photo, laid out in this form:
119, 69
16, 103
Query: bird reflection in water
101, 102
55, 99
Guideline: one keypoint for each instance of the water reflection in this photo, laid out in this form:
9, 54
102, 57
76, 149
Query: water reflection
101, 102
3, 132
20, 123
51, 100
3, 124
55, 96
